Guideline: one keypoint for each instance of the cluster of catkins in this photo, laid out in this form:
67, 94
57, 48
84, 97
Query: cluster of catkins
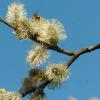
47, 31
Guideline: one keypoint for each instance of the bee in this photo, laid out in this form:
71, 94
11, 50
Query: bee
36, 16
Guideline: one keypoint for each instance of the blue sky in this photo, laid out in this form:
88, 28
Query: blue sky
81, 19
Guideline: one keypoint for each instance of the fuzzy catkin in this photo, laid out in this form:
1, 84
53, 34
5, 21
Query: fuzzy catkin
5, 95
16, 11
37, 55
56, 73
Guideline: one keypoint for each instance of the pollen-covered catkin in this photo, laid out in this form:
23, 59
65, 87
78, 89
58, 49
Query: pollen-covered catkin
56, 73
49, 31
16, 11
37, 55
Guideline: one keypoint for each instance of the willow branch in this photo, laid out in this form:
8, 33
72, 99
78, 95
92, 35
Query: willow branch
74, 55
77, 54
34, 38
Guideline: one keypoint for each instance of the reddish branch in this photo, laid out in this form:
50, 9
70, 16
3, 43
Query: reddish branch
74, 55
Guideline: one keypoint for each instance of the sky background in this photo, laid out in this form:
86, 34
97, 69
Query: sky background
81, 19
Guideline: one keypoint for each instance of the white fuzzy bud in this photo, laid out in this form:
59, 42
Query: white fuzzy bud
15, 12
49, 31
57, 73
38, 55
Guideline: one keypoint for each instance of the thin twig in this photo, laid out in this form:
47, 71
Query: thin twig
82, 51
5, 22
